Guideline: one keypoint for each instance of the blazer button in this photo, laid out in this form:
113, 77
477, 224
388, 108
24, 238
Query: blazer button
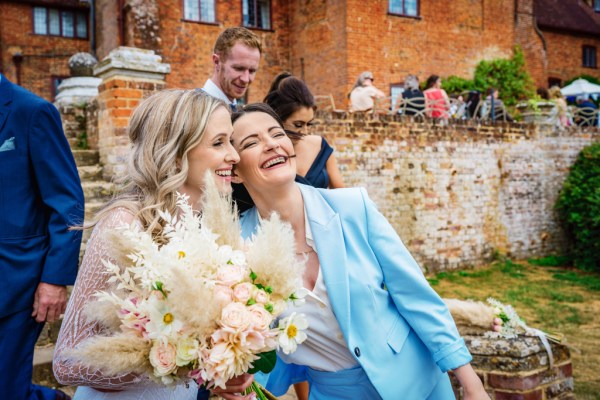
357, 351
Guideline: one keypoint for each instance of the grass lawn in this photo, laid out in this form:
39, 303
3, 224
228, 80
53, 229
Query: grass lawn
547, 297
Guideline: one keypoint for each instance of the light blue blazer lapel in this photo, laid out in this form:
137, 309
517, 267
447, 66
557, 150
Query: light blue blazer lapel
329, 239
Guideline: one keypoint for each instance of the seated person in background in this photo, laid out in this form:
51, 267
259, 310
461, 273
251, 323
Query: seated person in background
412, 97
363, 94
473, 100
587, 112
543, 93
556, 96
493, 107
436, 98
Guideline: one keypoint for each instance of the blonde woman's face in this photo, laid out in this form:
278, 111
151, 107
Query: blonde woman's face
264, 150
214, 153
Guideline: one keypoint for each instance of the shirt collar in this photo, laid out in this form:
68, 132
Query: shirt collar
211, 88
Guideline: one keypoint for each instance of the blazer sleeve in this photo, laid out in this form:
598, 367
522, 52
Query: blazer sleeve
417, 302
60, 190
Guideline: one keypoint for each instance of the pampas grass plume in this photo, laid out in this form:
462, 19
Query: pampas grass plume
272, 258
471, 316
219, 215
115, 355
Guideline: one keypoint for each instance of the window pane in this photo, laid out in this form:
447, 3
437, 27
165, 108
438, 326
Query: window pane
81, 25
597, 5
249, 13
264, 14
207, 10
68, 24
410, 7
191, 11
396, 7
54, 18
40, 25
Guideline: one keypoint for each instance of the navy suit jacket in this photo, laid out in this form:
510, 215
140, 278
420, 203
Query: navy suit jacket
40, 198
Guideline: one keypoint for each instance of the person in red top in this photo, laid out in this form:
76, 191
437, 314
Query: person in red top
436, 99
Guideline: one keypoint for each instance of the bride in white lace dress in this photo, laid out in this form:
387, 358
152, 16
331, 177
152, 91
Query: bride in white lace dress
176, 136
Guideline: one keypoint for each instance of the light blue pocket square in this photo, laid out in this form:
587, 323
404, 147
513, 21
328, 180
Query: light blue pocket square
8, 145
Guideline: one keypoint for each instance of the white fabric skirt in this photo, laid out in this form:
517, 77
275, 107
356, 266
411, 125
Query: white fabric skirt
179, 392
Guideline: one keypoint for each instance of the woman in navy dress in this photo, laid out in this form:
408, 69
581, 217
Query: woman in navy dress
295, 105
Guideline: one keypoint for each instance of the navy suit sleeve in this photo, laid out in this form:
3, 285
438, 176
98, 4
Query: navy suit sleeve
60, 190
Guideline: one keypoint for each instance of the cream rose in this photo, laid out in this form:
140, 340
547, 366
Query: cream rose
223, 295
242, 292
236, 317
261, 297
261, 318
187, 351
229, 275
162, 358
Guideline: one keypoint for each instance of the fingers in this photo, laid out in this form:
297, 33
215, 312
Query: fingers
232, 396
36, 304
49, 303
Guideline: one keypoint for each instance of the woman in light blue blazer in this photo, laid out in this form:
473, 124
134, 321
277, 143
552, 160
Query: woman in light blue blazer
376, 328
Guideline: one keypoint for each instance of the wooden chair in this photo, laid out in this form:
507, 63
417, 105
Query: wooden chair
326, 103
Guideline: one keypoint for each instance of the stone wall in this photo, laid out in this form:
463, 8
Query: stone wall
520, 368
457, 193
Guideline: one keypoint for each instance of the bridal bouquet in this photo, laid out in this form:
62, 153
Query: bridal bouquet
202, 303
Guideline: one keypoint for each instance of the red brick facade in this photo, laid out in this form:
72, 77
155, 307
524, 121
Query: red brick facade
43, 57
327, 42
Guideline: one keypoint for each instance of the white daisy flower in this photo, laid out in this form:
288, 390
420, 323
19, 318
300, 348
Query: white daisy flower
291, 332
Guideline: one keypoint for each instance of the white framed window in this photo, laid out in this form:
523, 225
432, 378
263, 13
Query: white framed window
404, 7
199, 10
55, 22
257, 13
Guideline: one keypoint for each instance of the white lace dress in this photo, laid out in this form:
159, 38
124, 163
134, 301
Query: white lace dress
75, 328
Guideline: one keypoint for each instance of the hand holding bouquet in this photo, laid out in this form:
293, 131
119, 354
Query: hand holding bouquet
198, 302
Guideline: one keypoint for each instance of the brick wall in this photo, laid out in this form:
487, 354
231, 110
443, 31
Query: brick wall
187, 46
532, 43
43, 56
457, 193
565, 55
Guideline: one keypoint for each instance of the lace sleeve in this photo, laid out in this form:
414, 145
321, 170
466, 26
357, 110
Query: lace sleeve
75, 327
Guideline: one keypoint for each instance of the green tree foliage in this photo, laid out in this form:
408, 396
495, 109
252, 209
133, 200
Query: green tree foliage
509, 76
454, 85
579, 208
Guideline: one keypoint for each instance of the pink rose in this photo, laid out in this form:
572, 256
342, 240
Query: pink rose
162, 358
261, 318
242, 292
223, 295
229, 275
261, 297
236, 317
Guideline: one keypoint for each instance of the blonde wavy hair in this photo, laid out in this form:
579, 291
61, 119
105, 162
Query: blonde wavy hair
162, 130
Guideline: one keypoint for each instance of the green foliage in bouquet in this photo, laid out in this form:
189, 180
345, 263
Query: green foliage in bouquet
579, 208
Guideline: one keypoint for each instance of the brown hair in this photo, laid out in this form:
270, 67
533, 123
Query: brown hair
230, 36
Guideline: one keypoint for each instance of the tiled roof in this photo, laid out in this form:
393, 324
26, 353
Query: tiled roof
567, 15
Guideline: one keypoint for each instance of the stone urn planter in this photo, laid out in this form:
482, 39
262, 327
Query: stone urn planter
537, 112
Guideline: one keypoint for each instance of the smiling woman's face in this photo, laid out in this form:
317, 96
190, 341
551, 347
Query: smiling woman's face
264, 151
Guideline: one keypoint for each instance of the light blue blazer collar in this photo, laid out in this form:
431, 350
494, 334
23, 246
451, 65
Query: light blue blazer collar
327, 233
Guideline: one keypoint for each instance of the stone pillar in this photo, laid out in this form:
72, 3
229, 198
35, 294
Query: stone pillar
128, 75
519, 368
74, 96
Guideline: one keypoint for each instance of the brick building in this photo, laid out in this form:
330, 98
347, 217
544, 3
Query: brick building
38, 37
327, 42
